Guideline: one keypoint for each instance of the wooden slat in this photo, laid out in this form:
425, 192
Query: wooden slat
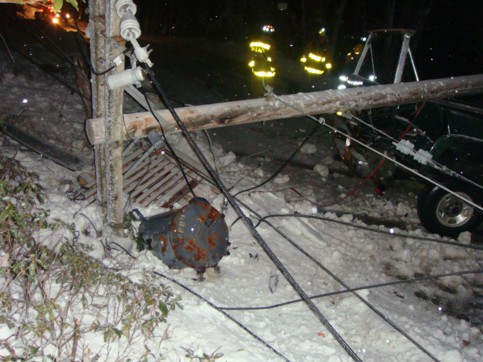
148, 195
151, 177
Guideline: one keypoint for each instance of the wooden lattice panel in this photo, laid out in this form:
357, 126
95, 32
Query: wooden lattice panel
151, 177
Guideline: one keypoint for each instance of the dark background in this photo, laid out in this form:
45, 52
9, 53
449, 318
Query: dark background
448, 42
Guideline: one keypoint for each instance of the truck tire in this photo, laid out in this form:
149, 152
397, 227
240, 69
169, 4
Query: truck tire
443, 213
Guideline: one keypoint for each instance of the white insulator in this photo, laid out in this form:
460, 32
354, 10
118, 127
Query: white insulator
142, 54
123, 6
405, 147
423, 157
130, 28
125, 78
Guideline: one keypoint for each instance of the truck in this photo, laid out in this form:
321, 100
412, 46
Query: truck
440, 142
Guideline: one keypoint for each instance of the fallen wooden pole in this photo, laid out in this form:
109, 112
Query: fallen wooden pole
138, 125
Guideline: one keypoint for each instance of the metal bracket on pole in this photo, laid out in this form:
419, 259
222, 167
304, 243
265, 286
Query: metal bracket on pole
139, 97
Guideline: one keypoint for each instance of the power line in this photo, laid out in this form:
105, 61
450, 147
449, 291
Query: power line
341, 282
382, 154
233, 202
222, 312
368, 228
175, 156
285, 163
364, 287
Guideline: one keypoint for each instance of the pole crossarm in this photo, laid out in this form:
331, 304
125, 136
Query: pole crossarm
137, 125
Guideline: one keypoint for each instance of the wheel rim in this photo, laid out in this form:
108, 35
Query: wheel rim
452, 212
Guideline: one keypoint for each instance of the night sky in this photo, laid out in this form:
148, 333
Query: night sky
448, 40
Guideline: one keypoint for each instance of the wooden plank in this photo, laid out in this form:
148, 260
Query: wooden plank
148, 180
150, 177
177, 190
179, 196
143, 189
128, 157
154, 193
170, 179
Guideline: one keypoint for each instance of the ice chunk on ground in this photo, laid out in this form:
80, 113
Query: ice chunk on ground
321, 169
308, 149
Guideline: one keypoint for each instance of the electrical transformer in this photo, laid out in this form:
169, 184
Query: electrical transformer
195, 236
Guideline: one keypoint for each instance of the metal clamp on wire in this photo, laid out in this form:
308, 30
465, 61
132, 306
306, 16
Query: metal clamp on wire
156, 141
137, 215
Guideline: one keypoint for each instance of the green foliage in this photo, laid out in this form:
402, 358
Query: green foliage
20, 199
124, 310
57, 4
204, 357
44, 292
29, 265
144, 306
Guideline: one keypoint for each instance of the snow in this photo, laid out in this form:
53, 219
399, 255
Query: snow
248, 277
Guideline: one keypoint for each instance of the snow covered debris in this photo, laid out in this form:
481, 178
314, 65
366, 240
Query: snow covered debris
308, 149
138, 308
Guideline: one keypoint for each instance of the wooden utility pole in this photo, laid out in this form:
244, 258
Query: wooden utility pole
106, 44
272, 108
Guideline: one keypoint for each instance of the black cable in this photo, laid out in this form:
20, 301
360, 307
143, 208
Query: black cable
8, 49
224, 313
286, 162
248, 222
175, 156
95, 72
121, 247
211, 305
54, 48
90, 221
75, 195
341, 282
72, 89
368, 228
210, 144
86, 56
61, 54
103, 72
371, 286
75, 234
63, 102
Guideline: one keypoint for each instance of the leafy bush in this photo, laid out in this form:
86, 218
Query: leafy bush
20, 198
57, 304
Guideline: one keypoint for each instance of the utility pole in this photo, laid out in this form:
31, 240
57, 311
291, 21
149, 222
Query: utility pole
206, 116
106, 44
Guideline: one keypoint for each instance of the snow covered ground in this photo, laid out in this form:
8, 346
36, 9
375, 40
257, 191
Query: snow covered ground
242, 313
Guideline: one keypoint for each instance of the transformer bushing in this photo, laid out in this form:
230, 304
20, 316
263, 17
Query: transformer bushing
195, 236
